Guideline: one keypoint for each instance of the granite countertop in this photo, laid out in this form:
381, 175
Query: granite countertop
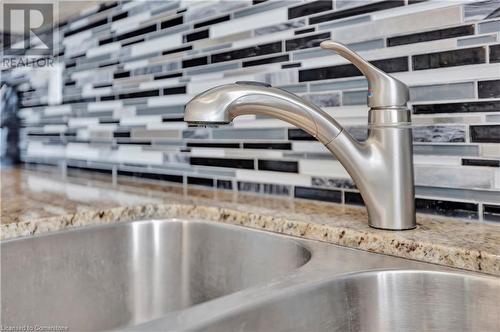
39, 202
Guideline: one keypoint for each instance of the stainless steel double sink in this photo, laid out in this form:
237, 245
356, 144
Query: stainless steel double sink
179, 275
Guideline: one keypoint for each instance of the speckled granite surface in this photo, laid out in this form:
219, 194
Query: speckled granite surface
38, 202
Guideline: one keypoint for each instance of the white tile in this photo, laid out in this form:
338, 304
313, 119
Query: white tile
169, 82
330, 168
37, 149
207, 76
135, 64
437, 160
104, 105
455, 177
124, 112
82, 122
89, 91
156, 134
450, 74
140, 120
169, 100
425, 20
108, 48
273, 177
207, 152
250, 22
129, 23
103, 126
267, 38
418, 7
81, 151
497, 179
83, 134
254, 153
309, 147
200, 86
135, 154
490, 150
26, 112
167, 125
57, 110
77, 38
157, 44
79, 23
91, 9
54, 128
129, 5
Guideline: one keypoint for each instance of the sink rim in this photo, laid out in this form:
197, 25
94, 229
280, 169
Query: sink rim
296, 241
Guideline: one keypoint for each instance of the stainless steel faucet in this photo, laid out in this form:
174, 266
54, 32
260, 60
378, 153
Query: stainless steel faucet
381, 166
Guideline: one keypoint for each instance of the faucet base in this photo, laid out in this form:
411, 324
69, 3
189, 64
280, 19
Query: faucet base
382, 168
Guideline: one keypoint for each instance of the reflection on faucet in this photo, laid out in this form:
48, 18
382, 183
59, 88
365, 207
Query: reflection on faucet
381, 167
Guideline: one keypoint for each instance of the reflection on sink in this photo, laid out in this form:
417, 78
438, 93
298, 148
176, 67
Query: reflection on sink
110, 276
399, 300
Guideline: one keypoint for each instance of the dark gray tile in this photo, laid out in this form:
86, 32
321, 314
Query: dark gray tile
464, 30
368, 8
223, 162
278, 166
465, 107
276, 189
461, 57
491, 212
449, 134
485, 133
489, 89
447, 208
279, 27
495, 53
325, 182
310, 8
334, 196
248, 186
388, 65
480, 10
446, 150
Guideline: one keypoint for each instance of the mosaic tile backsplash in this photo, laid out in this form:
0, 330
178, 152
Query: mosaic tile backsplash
130, 67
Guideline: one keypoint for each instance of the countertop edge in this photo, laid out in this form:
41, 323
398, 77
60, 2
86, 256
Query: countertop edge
372, 241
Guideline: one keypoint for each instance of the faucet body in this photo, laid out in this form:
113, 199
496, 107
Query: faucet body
381, 166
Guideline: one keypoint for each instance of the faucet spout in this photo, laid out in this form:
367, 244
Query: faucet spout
220, 105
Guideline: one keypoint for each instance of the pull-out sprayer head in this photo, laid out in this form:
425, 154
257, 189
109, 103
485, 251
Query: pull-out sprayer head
211, 108
220, 105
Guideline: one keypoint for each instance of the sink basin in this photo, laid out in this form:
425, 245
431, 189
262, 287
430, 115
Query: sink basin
179, 275
399, 300
110, 276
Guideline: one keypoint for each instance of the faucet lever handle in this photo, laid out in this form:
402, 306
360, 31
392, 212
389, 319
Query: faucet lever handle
384, 91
